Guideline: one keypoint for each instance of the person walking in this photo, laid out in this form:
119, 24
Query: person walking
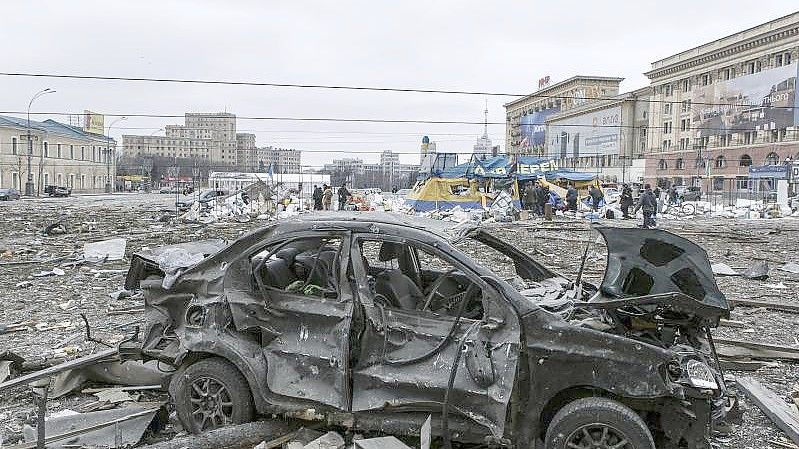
596, 197
625, 201
327, 197
343, 196
529, 196
317, 198
648, 205
544, 199
538, 195
571, 198
672, 192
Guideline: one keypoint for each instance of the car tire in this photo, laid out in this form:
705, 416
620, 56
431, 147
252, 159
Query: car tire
599, 423
211, 393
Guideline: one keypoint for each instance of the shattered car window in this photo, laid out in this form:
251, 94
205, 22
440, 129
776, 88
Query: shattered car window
408, 277
304, 266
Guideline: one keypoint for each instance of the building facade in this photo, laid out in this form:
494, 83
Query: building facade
282, 160
725, 108
601, 136
525, 118
208, 137
386, 175
63, 155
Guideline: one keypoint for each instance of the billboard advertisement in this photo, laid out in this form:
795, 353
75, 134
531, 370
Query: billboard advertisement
533, 128
93, 122
760, 101
590, 134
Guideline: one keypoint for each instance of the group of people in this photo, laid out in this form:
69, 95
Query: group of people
536, 196
323, 197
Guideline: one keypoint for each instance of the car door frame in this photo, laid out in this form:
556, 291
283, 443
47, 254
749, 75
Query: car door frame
270, 315
375, 321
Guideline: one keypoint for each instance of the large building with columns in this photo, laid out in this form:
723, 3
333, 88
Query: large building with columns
725, 106
63, 155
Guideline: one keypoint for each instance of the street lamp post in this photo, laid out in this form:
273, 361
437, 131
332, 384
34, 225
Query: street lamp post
108, 156
29, 182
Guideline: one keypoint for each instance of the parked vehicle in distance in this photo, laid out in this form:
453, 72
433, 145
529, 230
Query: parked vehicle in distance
205, 197
57, 191
384, 320
689, 193
9, 194
403, 192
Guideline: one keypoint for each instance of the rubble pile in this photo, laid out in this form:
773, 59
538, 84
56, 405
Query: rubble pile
62, 260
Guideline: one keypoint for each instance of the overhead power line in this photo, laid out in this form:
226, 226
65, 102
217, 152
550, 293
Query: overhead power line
393, 121
344, 87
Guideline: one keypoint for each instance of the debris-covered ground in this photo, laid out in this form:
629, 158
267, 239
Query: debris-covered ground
46, 285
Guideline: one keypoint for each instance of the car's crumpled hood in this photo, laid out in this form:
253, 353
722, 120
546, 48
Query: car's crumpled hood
662, 268
168, 259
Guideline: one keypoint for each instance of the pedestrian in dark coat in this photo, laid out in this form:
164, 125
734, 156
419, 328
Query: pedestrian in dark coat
529, 196
343, 196
596, 197
544, 199
571, 198
625, 201
317, 198
648, 205
537, 199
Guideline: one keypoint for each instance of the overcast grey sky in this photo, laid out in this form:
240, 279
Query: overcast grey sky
495, 46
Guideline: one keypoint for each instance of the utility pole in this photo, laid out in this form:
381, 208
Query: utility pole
108, 156
29, 183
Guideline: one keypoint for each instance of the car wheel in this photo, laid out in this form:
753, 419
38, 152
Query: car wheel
598, 423
211, 393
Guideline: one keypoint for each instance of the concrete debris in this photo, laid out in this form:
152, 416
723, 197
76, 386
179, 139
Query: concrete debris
330, 440
773, 406
758, 271
122, 427
380, 443
54, 272
790, 267
106, 250
722, 269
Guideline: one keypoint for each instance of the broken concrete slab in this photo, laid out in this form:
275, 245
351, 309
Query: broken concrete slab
330, 440
758, 271
111, 249
381, 443
722, 269
115, 428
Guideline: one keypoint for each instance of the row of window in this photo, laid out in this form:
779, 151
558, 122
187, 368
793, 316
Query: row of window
727, 73
97, 181
725, 140
97, 153
719, 162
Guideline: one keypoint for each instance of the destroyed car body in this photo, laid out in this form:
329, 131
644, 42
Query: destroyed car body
376, 322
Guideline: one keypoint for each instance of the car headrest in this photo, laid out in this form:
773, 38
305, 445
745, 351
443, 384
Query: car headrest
288, 254
390, 251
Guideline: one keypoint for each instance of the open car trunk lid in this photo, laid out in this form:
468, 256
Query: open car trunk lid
652, 266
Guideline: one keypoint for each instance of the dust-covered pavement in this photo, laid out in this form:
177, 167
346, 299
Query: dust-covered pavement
50, 306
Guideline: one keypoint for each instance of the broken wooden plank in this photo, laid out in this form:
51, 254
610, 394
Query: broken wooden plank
108, 354
780, 306
732, 323
783, 444
772, 405
738, 352
755, 345
240, 436
741, 365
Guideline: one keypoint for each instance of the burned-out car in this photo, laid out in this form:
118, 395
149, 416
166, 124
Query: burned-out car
376, 322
